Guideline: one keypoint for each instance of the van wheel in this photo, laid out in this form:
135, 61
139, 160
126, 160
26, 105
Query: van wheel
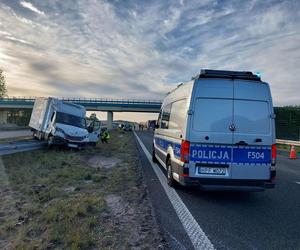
34, 135
154, 160
50, 141
171, 181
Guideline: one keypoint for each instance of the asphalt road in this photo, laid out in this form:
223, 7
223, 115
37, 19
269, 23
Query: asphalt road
232, 220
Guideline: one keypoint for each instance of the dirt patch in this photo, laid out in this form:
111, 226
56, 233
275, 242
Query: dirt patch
135, 224
99, 161
116, 204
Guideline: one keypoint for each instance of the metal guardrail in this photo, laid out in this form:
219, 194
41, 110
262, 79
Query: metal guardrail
20, 146
288, 142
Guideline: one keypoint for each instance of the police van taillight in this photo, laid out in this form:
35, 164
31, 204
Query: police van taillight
185, 151
274, 154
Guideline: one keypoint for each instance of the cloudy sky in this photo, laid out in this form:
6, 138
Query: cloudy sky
141, 49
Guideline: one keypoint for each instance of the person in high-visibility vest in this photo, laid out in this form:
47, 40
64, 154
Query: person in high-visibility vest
105, 136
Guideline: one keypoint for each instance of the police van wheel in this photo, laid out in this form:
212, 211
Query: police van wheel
171, 181
154, 160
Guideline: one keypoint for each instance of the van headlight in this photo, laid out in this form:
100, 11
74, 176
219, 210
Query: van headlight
86, 136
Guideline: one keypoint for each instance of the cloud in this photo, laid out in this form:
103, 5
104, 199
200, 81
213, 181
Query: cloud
11, 38
141, 49
31, 7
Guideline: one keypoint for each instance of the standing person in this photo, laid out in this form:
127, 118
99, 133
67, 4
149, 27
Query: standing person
105, 136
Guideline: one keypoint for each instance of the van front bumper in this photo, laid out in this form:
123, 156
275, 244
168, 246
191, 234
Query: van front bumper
64, 142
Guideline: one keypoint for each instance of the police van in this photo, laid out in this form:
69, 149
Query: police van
218, 131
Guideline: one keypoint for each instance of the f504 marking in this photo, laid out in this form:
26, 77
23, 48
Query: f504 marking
256, 155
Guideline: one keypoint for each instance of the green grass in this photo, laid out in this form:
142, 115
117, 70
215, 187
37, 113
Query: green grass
58, 198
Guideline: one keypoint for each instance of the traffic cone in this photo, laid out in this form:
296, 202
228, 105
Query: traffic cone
293, 153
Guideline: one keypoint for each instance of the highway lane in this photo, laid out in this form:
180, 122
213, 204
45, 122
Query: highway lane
233, 220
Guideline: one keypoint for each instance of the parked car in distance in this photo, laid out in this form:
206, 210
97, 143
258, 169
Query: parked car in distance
127, 127
217, 131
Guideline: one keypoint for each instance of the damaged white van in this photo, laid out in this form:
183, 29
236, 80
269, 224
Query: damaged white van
218, 131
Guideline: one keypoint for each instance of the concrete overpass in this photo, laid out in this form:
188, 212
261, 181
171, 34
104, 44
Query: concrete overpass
91, 104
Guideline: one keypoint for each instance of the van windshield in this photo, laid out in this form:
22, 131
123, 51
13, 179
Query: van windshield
72, 120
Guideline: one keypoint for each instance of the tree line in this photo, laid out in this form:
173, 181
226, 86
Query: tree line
288, 122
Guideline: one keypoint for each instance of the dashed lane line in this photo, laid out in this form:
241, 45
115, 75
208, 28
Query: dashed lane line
298, 182
192, 228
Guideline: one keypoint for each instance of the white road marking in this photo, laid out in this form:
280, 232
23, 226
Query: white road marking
192, 228
298, 182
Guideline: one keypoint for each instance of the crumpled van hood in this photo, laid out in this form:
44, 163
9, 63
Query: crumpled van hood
72, 130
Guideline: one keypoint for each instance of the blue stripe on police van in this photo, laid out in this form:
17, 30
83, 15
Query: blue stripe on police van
164, 144
253, 155
227, 154
210, 154
221, 154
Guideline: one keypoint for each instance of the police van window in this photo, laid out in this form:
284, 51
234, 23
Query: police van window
178, 115
252, 117
212, 114
166, 116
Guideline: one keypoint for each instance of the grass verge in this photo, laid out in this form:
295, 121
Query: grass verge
91, 199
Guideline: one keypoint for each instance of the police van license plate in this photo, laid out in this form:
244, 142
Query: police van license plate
212, 170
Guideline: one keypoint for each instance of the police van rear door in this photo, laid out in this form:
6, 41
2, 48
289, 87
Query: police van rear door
211, 132
252, 137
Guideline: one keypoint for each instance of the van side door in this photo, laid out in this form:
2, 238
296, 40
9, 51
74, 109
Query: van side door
94, 128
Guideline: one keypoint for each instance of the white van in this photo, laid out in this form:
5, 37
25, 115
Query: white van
217, 131
62, 123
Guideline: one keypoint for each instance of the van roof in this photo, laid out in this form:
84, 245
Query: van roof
209, 73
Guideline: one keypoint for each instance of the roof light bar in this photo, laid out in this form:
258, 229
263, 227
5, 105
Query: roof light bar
247, 75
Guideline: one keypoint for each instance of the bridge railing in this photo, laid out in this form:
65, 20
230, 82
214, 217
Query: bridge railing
88, 100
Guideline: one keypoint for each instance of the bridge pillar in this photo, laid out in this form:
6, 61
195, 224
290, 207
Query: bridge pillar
3, 117
110, 118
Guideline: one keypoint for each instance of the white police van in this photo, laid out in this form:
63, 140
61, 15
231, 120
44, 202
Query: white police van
218, 131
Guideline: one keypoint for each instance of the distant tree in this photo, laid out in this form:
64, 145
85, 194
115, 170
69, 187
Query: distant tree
3, 89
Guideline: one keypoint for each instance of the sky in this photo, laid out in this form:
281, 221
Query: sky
142, 49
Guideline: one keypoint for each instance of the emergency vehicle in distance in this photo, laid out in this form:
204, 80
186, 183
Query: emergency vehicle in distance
218, 131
